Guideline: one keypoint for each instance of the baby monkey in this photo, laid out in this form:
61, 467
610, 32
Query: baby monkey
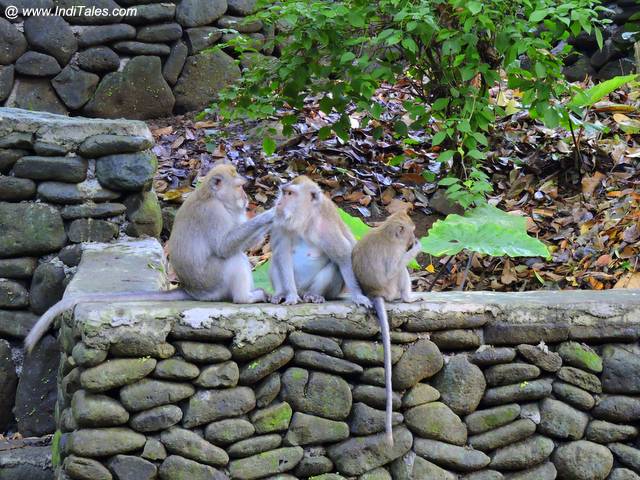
380, 261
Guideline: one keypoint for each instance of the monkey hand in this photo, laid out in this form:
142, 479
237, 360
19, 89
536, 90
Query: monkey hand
362, 300
410, 298
312, 298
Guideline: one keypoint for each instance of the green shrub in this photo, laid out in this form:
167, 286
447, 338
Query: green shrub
450, 51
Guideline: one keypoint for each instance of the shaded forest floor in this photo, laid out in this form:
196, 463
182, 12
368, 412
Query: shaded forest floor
583, 203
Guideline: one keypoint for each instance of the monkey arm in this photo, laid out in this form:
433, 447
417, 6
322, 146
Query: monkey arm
411, 253
338, 248
243, 235
346, 269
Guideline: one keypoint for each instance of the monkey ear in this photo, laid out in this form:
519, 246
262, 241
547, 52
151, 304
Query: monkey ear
216, 182
399, 231
315, 195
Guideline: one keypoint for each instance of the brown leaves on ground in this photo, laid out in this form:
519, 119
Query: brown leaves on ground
584, 205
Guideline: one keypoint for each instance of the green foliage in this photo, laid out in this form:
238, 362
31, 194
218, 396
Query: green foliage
583, 100
358, 227
451, 52
261, 277
484, 229
56, 458
588, 98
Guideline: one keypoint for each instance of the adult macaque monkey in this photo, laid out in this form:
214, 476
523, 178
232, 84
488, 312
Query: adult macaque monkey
207, 244
380, 261
311, 247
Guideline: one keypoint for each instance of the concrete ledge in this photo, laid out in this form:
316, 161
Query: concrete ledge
504, 318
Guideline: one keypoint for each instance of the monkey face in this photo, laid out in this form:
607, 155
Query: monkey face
227, 186
287, 202
297, 202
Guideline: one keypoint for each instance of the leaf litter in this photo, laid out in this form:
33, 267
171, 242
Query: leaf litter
585, 206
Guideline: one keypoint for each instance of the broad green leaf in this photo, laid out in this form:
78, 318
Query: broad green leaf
356, 19
269, 145
438, 138
445, 156
538, 16
261, 277
486, 230
474, 7
347, 57
357, 226
401, 128
448, 181
599, 38
599, 91
410, 44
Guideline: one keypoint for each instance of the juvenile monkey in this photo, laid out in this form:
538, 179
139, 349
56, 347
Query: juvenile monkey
207, 244
311, 247
380, 261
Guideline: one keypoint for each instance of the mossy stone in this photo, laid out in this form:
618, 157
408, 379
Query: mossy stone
275, 418
116, 373
581, 356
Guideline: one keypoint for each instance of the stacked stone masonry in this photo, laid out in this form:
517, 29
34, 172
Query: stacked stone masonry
148, 60
63, 181
617, 55
153, 58
537, 386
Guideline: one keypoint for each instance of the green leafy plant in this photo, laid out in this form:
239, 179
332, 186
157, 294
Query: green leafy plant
486, 230
56, 458
451, 52
580, 105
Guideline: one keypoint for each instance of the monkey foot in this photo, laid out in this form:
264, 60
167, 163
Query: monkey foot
290, 299
312, 298
361, 300
276, 299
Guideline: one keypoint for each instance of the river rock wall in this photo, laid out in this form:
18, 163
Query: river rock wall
63, 181
151, 60
617, 55
147, 61
533, 386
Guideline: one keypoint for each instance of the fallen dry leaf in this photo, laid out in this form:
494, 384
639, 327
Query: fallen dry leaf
589, 184
630, 280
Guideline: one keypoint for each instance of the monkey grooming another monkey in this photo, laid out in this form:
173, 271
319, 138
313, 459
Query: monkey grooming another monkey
207, 243
311, 247
380, 261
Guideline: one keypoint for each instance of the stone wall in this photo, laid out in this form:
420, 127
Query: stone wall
153, 63
617, 56
62, 181
538, 386
146, 62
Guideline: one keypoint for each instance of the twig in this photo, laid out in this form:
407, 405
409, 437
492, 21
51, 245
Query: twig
439, 274
466, 271
576, 144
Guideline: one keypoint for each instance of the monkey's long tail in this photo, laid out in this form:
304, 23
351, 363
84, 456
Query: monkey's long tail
381, 312
44, 322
